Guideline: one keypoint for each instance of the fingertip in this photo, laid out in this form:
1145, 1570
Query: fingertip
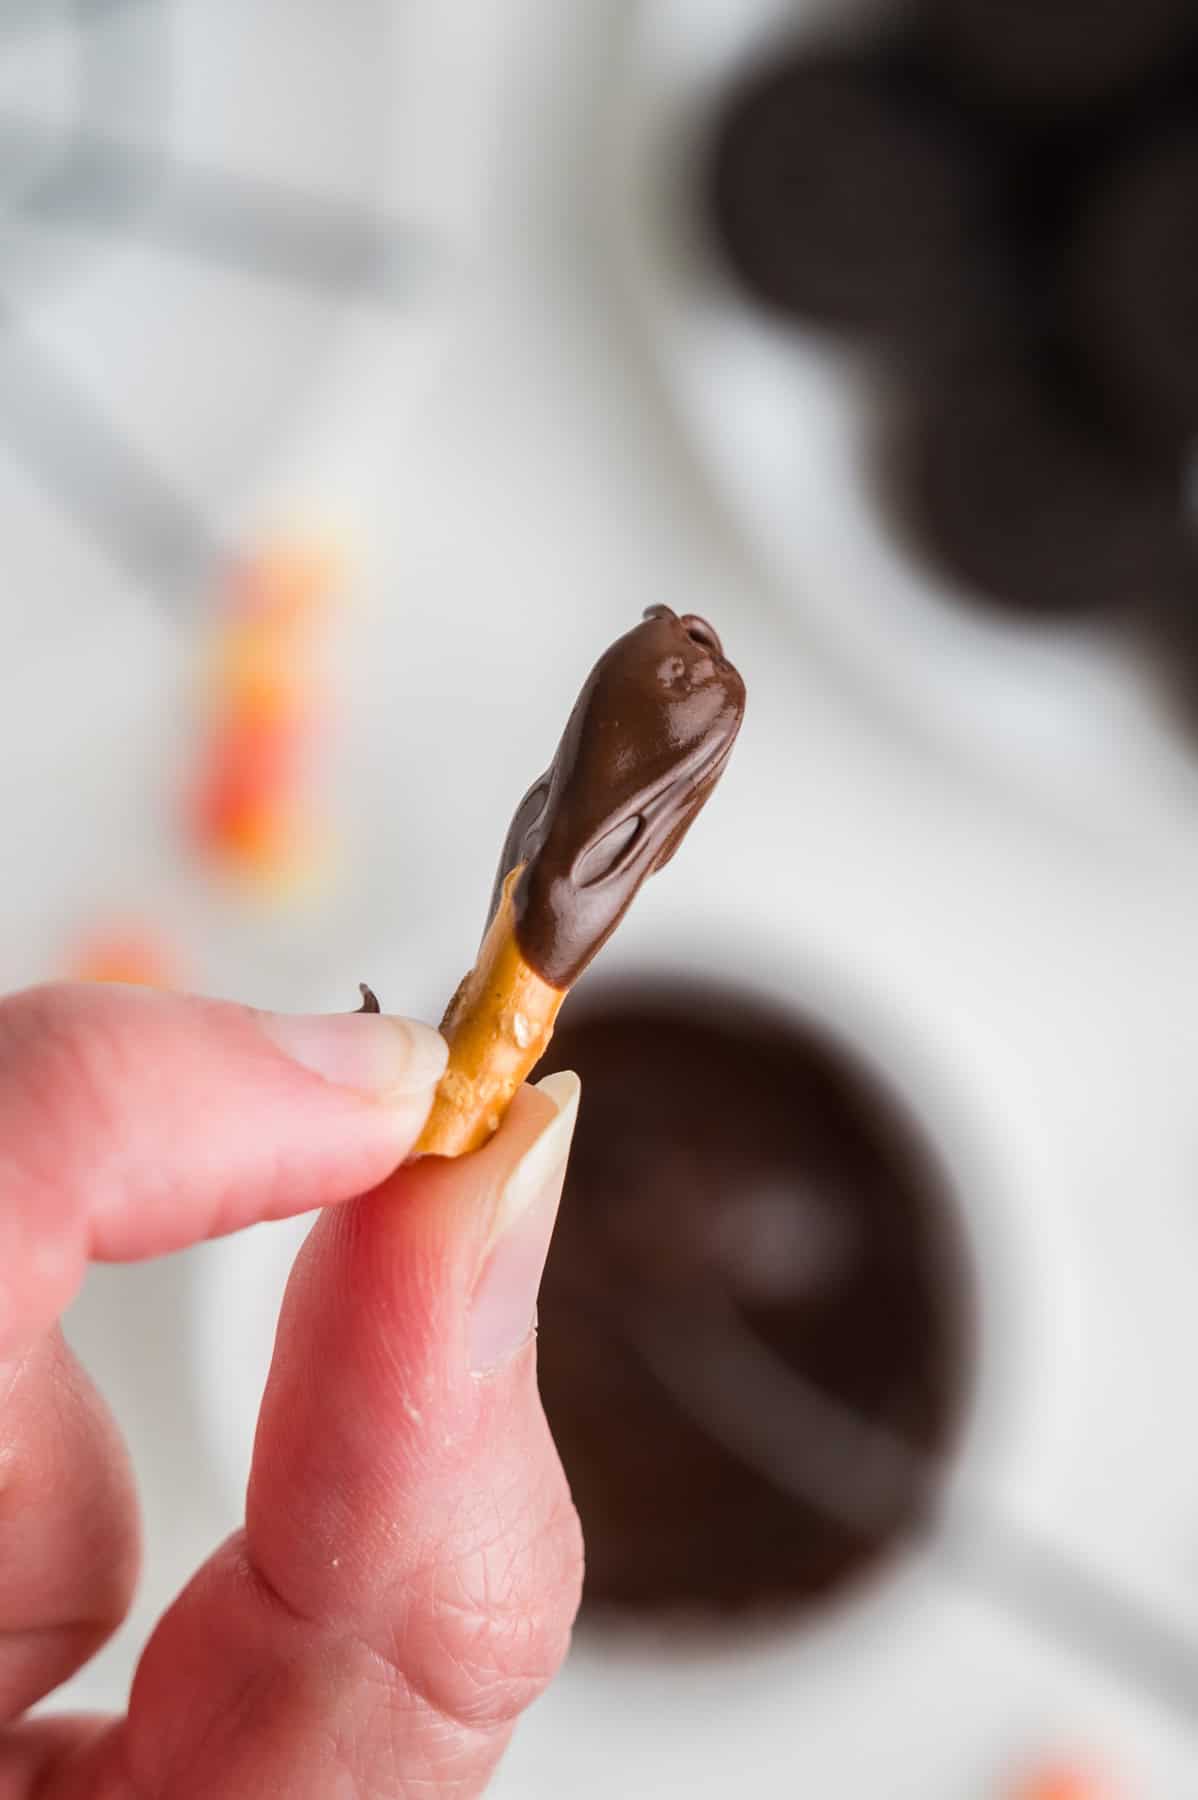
502, 1308
563, 1087
138, 1122
374, 1054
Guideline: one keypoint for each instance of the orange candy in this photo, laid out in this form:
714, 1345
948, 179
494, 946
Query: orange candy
249, 807
131, 954
287, 585
1060, 1783
250, 771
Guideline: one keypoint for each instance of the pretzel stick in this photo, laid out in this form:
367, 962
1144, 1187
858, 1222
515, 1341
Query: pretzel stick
498, 1025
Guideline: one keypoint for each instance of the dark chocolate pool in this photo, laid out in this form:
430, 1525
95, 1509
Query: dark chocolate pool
757, 1253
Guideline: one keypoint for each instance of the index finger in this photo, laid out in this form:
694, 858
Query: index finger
133, 1123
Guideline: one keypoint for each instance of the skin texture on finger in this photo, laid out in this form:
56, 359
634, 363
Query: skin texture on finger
132, 1123
57, 1750
69, 1535
411, 1563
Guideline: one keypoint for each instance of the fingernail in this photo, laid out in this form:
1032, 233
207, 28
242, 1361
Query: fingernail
505, 1299
370, 1052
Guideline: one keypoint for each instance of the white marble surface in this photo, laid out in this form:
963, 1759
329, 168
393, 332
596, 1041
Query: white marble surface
525, 456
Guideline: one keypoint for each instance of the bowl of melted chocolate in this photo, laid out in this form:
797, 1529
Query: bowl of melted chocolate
757, 1327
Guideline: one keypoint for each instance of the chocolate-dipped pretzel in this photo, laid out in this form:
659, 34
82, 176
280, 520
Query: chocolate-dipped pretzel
643, 748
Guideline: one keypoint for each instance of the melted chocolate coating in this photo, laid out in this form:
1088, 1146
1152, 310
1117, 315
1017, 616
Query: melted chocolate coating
642, 750
742, 1188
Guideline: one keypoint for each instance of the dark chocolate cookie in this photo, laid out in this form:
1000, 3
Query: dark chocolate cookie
1134, 288
1053, 55
1025, 499
839, 198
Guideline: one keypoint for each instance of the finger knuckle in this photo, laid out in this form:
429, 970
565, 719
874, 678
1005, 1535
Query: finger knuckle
496, 1618
59, 1081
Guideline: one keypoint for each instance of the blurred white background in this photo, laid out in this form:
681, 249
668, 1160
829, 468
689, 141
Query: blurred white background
974, 852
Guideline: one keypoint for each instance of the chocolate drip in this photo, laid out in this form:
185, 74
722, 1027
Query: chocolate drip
642, 750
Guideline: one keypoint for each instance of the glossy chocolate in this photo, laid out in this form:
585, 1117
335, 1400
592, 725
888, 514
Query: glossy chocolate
750, 1218
642, 750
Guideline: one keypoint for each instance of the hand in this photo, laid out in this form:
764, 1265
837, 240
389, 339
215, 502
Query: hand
410, 1563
